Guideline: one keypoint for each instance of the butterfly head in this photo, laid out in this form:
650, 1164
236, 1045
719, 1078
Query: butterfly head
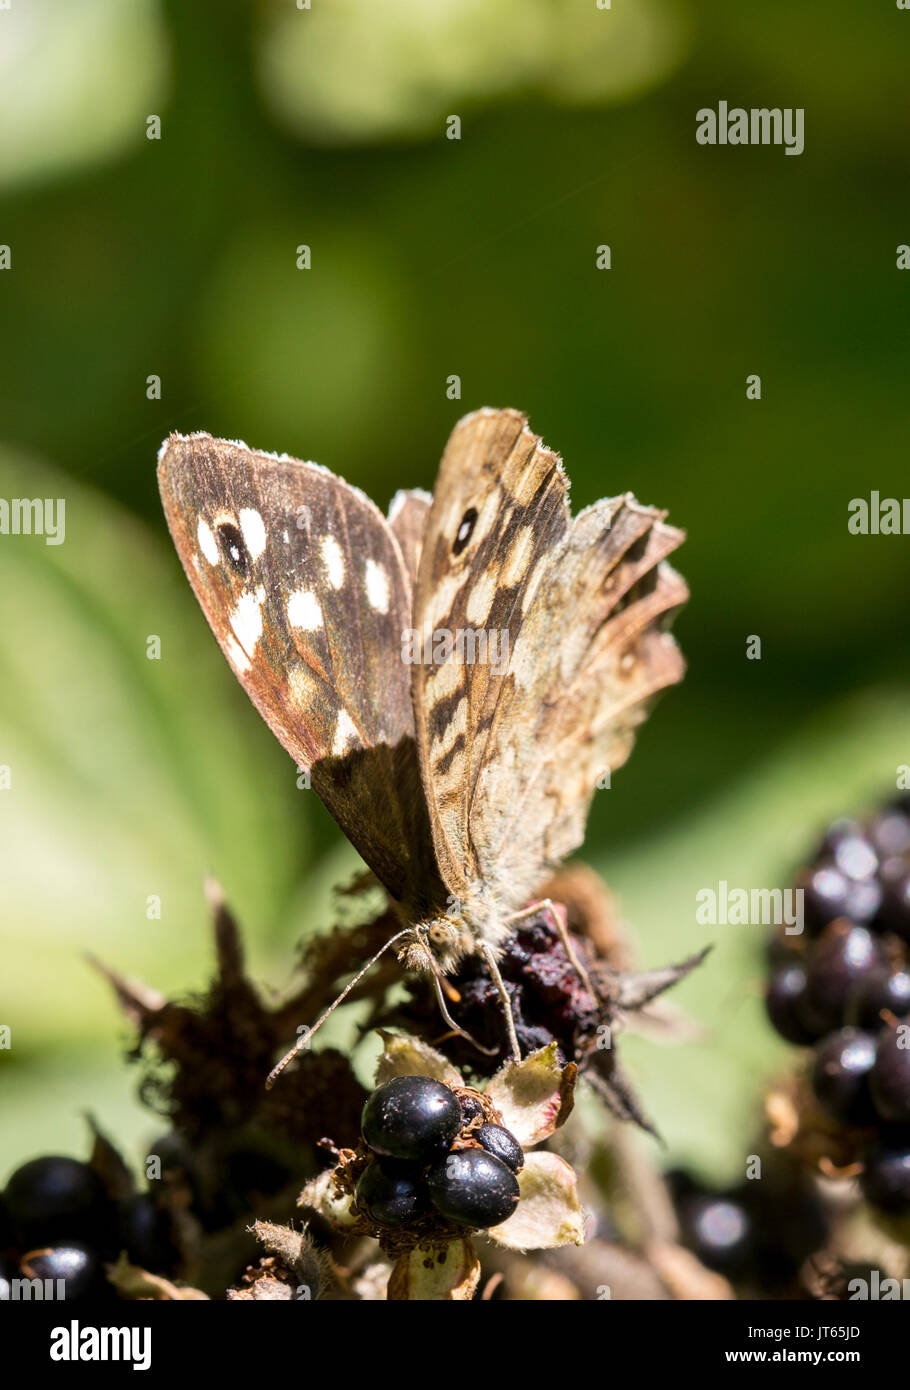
436, 946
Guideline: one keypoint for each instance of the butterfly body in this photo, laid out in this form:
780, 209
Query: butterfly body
365, 642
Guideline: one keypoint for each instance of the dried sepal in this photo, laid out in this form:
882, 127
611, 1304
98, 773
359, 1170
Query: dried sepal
534, 1096
269, 1282
108, 1163
404, 1055
322, 1195
449, 1273
296, 1251
549, 1213
132, 1282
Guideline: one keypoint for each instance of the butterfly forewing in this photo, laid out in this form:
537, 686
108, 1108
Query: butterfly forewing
303, 584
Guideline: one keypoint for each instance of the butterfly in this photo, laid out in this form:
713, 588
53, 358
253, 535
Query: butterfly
455, 676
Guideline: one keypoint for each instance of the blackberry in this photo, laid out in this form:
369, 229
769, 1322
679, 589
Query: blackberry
840, 1075
501, 1142
889, 833
847, 986
758, 1233
76, 1266
890, 1076
54, 1198
392, 1193
885, 1180
825, 893
411, 1117
894, 914
145, 1233
785, 1002
883, 989
841, 959
718, 1228
474, 1188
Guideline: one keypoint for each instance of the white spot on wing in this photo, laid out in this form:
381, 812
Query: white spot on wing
480, 600
253, 528
304, 610
333, 560
237, 656
377, 586
345, 734
246, 620
207, 543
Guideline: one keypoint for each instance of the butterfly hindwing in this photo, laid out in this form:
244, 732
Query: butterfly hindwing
408, 512
498, 507
303, 584
510, 755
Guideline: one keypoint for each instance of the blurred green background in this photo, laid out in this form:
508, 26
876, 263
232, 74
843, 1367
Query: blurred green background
176, 257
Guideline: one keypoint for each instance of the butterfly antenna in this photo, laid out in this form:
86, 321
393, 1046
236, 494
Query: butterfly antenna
303, 1041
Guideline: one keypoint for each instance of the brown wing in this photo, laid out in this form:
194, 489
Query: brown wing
303, 584
510, 757
408, 512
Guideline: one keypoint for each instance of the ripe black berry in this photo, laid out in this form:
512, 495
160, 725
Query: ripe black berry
52, 1198
717, 1227
825, 896
411, 1117
890, 1077
144, 1233
889, 833
785, 1001
894, 914
77, 1266
840, 1075
886, 1176
854, 855
474, 1188
841, 959
391, 1193
502, 1142
883, 989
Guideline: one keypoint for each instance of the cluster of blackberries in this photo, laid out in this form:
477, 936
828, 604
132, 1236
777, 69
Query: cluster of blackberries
758, 1233
843, 988
57, 1222
411, 1124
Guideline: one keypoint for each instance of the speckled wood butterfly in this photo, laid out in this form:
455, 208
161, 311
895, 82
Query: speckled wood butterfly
461, 780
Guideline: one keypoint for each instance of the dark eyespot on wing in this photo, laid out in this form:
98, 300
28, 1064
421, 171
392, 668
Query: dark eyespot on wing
465, 530
233, 547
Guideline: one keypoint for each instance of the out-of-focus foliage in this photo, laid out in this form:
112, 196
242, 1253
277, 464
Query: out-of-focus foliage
355, 72
431, 257
76, 82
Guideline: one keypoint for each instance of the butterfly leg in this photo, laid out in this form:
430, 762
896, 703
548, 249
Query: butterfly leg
498, 981
455, 1027
547, 907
